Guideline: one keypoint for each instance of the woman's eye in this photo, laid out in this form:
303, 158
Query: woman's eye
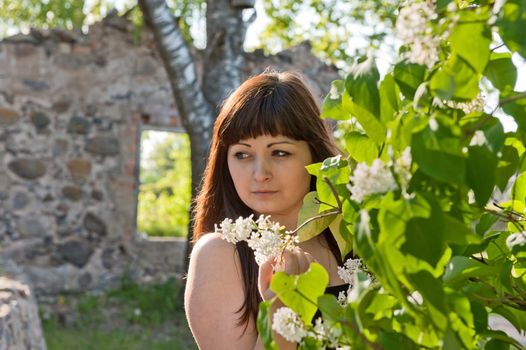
279, 153
240, 155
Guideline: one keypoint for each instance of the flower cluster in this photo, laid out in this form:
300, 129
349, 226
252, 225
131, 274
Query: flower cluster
378, 177
473, 106
288, 324
367, 180
413, 28
349, 269
267, 239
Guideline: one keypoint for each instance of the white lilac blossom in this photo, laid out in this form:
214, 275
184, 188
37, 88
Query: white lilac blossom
342, 298
267, 239
367, 180
403, 166
516, 239
433, 124
237, 231
415, 298
478, 139
325, 333
349, 269
473, 106
288, 324
414, 30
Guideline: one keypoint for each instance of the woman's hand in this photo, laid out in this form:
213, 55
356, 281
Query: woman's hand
293, 262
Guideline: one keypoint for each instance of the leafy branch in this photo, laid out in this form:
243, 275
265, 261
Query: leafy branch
322, 215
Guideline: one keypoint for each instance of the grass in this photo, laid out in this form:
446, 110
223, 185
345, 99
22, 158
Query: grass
132, 317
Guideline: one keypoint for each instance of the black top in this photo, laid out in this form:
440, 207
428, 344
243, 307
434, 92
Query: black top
334, 290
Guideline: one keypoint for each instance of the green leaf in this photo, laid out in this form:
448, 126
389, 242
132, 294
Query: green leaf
342, 235
485, 223
264, 326
494, 133
394, 215
457, 233
514, 104
456, 80
481, 168
335, 169
499, 341
330, 308
424, 238
501, 71
433, 294
332, 105
309, 343
443, 166
470, 39
461, 268
409, 76
360, 147
511, 26
496, 344
361, 85
507, 166
480, 316
389, 98
518, 191
301, 292
309, 210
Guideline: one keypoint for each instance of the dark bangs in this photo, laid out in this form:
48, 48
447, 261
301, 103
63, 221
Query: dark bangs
273, 109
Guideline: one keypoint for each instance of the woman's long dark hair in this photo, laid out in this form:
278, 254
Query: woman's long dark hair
267, 104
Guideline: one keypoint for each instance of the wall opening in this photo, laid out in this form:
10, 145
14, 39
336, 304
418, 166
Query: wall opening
164, 190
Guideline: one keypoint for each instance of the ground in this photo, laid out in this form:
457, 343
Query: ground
131, 317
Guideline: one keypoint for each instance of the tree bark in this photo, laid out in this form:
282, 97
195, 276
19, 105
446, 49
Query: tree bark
223, 69
224, 58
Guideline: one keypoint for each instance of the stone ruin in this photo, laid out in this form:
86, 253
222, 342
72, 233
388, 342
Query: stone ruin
72, 108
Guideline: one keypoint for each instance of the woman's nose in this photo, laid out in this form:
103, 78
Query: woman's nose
262, 170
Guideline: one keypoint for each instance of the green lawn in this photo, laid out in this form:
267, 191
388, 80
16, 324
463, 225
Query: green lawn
131, 317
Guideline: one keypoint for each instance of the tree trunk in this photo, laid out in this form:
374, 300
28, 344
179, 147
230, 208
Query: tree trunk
224, 58
223, 63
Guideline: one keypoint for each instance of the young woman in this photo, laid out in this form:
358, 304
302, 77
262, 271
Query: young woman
267, 131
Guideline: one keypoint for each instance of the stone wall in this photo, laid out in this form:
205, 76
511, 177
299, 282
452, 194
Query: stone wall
71, 110
20, 327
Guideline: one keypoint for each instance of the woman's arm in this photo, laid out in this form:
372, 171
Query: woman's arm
214, 293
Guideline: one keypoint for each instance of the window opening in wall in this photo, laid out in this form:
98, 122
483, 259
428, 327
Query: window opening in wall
164, 184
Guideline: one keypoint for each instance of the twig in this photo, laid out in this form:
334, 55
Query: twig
309, 220
334, 193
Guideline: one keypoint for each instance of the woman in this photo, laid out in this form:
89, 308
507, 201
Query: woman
267, 131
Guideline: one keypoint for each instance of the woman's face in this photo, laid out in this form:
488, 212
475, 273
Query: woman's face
270, 177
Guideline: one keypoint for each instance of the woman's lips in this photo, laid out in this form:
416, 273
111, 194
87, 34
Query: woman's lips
264, 193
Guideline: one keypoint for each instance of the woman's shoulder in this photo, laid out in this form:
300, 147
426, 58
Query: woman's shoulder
212, 241
211, 247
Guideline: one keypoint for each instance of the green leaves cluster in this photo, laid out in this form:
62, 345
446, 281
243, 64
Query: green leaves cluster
164, 192
440, 246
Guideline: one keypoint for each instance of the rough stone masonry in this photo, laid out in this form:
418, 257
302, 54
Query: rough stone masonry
72, 107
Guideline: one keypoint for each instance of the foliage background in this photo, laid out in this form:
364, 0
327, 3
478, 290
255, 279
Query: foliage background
164, 191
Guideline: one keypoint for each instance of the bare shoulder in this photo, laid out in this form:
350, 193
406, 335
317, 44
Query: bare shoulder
214, 295
211, 247
214, 263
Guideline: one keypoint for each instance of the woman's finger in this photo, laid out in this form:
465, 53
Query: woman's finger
265, 275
